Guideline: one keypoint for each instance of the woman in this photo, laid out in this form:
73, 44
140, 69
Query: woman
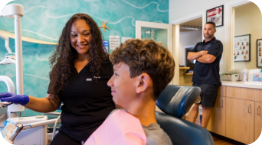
79, 75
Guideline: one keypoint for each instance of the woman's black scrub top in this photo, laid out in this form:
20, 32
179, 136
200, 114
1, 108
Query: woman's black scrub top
86, 103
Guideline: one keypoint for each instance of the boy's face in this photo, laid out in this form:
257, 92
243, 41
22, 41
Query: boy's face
123, 88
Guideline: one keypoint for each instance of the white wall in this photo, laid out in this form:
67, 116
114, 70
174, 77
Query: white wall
186, 39
248, 21
182, 8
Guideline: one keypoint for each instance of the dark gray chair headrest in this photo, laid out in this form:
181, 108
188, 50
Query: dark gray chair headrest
176, 100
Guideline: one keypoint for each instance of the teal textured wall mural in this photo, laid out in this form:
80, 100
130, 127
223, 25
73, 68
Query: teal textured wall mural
45, 19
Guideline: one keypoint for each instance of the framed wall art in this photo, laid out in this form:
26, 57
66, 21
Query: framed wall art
259, 55
242, 48
216, 15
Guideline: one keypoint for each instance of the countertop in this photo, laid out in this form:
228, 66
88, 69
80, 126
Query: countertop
253, 85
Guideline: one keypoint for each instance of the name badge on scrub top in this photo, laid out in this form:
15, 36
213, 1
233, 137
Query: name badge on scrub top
88, 79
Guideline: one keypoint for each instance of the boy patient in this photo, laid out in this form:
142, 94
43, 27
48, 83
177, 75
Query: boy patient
142, 70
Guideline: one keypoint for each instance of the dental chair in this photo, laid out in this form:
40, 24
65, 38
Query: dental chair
175, 101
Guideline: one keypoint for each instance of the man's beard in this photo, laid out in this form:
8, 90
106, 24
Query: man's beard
208, 36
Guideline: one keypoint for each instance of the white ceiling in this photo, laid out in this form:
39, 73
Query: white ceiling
195, 22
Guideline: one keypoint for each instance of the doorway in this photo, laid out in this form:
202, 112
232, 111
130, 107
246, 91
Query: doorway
190, 34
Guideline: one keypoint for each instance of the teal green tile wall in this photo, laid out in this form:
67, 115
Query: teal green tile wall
45, 19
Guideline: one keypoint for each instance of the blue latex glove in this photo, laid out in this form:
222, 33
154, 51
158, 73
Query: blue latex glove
16, 99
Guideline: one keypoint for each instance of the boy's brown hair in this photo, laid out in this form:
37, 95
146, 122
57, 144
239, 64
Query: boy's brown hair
146, 56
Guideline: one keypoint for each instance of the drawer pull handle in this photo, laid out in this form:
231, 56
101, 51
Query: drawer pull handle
249, 109
258, 110
221, 103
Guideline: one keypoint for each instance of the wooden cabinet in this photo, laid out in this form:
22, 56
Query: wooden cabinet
241, 93
217, 120
237, 114
222, 91
258, 119
216, 123
240, 120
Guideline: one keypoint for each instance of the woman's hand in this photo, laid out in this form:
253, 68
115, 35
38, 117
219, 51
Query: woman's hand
14, 98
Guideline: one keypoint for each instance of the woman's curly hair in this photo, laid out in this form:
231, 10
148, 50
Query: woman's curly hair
63, 59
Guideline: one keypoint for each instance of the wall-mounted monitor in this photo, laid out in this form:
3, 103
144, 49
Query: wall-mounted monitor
190, 63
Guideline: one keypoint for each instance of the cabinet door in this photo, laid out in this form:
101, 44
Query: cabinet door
241, 93
217, 121
258, 119
240, 120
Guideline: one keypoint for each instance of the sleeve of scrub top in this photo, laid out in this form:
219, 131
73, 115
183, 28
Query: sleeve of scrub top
216, 49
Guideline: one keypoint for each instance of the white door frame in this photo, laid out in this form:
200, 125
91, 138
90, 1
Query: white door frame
176, 52
191, 17
168, 27
176, 48
140, 24
229, 29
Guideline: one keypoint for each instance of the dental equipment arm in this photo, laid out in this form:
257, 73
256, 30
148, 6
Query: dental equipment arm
6, 42
7, 46
9, 83
20, 127
16, 11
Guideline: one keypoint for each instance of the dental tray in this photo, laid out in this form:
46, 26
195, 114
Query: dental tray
229, 77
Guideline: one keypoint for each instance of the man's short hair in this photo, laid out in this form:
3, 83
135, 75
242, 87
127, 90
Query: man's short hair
212, 23
146, 56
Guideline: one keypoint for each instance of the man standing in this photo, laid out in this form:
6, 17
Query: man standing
206, 72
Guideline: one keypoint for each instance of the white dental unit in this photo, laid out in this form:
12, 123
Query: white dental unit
34, 129
16, 12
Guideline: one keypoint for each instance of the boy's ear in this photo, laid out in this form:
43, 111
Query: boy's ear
143, 82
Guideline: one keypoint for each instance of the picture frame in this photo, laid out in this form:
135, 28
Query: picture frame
242, 48
258, 52
216, 15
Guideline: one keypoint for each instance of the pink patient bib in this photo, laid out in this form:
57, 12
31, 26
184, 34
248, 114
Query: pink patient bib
120, 128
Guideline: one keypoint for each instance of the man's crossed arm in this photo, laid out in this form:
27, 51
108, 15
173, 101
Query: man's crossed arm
201, 56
